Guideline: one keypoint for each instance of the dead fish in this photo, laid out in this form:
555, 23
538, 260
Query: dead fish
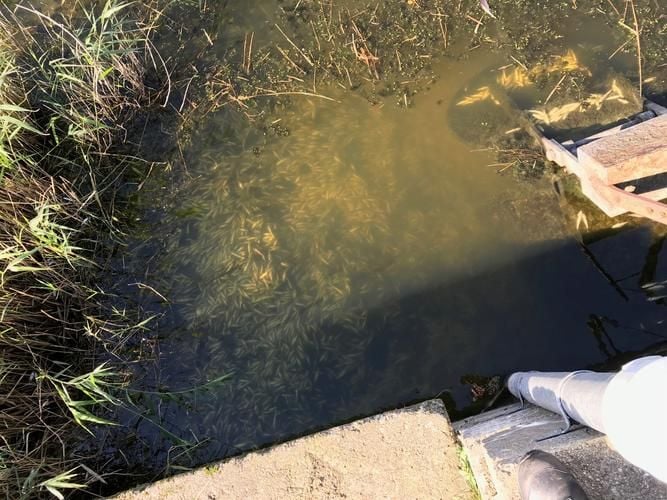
581, 218
485, 7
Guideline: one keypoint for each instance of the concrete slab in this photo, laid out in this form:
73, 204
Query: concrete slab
407, 453
497, 440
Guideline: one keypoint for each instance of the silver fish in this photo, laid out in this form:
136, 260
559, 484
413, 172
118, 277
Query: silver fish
485, 7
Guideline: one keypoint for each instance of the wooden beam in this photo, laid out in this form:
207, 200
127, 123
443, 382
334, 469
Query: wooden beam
632, 153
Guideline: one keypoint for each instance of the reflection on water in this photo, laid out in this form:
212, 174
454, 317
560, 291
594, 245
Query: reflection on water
350, 258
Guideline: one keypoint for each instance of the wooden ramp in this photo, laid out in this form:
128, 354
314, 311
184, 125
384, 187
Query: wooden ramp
621, 169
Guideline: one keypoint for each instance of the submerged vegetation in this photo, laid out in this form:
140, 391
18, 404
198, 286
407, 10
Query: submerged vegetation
387, 52
68, 89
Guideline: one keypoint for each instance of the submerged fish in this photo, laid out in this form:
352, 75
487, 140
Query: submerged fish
481, 94
485, 7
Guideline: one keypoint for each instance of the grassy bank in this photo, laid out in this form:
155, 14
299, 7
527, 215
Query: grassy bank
68, 91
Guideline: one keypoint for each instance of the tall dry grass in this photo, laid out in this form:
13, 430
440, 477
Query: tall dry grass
68, 89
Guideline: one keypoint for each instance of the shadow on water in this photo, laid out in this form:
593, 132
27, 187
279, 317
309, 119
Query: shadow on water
551, 309
530, 315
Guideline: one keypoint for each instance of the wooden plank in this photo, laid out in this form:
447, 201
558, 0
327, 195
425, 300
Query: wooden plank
637, 119
611, 200
657, 195
615, 201
632, 153
556, 153
594, 190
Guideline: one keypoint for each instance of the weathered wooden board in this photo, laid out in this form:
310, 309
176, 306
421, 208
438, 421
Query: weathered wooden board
638, 151
614, 201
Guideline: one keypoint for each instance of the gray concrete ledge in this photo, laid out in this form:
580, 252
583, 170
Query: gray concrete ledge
401, 454
497, 440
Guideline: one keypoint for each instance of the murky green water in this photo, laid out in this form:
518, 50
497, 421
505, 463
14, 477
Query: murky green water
350, 257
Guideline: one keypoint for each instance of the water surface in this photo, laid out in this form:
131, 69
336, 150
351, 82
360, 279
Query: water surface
350, 257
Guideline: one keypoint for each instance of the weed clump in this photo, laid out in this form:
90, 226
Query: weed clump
67, 91
381, 50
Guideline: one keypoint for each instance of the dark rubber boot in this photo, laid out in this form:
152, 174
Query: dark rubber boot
543, 477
